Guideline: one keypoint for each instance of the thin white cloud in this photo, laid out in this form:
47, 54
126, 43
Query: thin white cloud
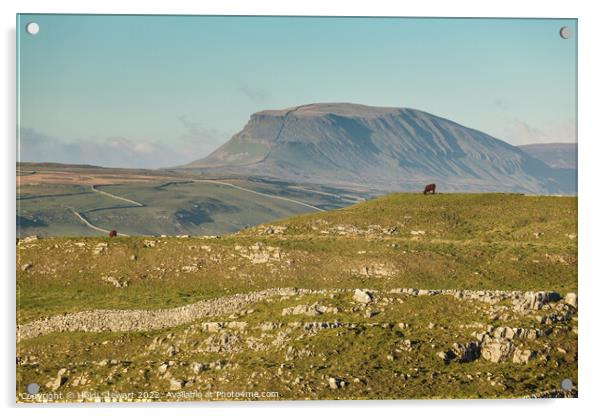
519, 132
110, 152
193, 142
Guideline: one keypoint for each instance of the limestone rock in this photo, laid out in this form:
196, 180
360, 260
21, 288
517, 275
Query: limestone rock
119, 283
309, 310
446, 356
571, 299
268, 326
376, 269
190, 268
335, 383
198, 367
362, 296
461, 352
497, 351
259, 253
100, 248
211, 326
58, 381
176, 384
535, 300
466, 352
522, 356
29, 239
239, 325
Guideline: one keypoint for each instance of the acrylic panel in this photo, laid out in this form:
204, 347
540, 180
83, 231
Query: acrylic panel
293, 208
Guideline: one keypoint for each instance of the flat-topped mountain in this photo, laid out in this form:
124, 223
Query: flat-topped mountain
380, 147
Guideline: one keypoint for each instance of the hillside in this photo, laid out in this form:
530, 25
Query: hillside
67, 200
555, 155
403, 296
481, 218
387, 148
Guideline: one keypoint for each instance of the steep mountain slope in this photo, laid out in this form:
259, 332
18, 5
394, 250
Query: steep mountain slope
555, 155
385, 148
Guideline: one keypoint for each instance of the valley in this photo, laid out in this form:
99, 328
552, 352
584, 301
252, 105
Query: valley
73, 201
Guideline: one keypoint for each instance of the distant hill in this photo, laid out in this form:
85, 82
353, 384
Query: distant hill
382, 147
52, 165
555, 155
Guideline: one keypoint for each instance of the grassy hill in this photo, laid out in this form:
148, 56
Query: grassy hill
460, 217
386, 348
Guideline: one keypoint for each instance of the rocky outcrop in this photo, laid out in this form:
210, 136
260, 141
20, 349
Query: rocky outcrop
309, 310
522, 356
260, 253
58, 381
271, 230
497, 351
100, 248
466, 352
117, 282
372, 230
535, 300
374, 270
139, 320
495, 345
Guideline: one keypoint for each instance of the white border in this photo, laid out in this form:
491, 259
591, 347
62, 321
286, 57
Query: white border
590, 151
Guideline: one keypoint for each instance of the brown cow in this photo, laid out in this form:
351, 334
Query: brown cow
429, 189
113, 233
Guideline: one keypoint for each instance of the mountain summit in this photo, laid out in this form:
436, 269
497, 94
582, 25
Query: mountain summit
380, 147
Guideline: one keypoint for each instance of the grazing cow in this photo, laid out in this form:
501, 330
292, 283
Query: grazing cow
113, 233
429, 189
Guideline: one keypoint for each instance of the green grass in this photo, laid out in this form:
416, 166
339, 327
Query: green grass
171, 207
345, 353
191, 208
52, 213
466, 217
65, 277
470, 242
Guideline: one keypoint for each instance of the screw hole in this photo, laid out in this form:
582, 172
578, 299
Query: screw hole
32, 28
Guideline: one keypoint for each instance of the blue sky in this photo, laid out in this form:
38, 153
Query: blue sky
152, 91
